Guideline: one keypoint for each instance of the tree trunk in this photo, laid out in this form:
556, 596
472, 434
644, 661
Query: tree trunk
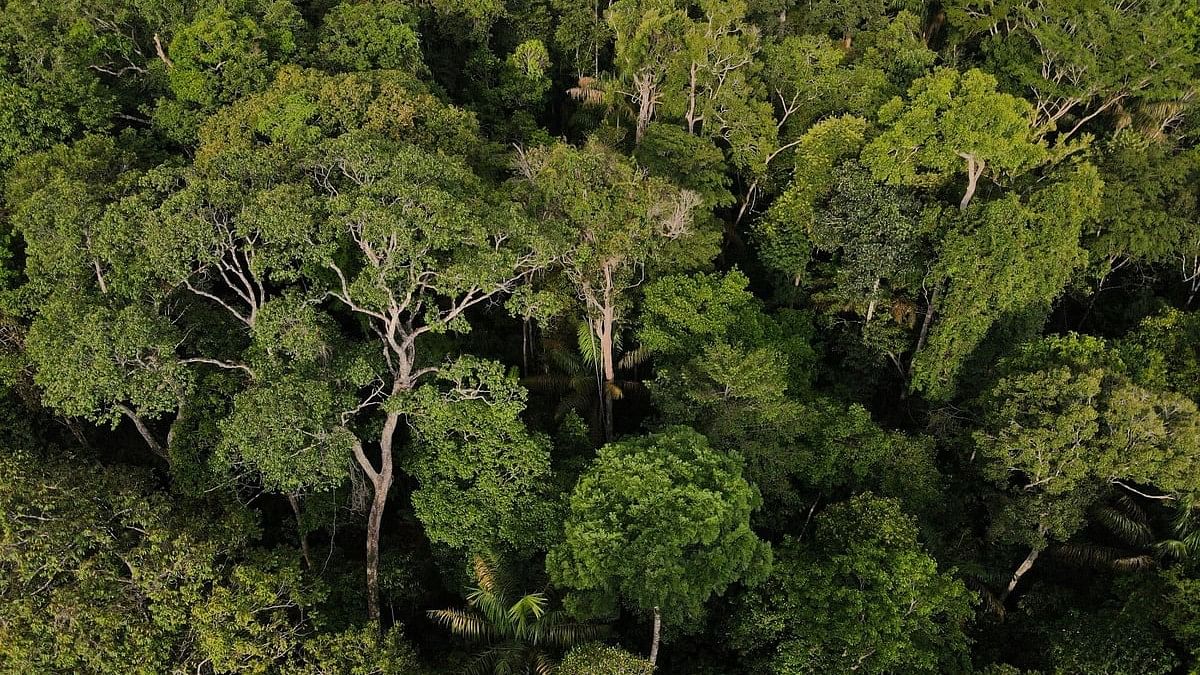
925, 326
847, 41
874, 300
144, 430
381, 484
609, 372
605, 325
374, 526
654, 638
294, 501
647, 98
1022, 569
691, 111
974, 171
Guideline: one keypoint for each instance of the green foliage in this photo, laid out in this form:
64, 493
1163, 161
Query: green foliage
310, 254
862, 595
596, 658
112, 573
357, 651
785, 230
107, 363
481, 473
658, 521
952, 122
1064, 422
1007, 256
370, 36
519, 629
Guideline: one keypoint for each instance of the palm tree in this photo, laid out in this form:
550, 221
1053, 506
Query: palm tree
518, 632
571, 373
1140, 544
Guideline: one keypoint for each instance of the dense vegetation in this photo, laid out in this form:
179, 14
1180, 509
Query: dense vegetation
676, 336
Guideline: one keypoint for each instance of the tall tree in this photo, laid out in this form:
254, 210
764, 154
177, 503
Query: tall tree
660, 524
862, 595
610, 225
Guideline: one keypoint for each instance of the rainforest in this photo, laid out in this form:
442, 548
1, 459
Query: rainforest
600, 337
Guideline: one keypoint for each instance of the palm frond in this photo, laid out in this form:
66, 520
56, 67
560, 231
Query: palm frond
551, 383
484, 573
493, 607
990, 600
1173, 549
565, 361
463, 624
486, 662
1126, 525
588, 343
587, 90
634, 358
558, 629
1089, 555
524, 614
542, 663
1133, 563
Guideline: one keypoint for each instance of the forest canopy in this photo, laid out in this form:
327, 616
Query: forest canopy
599, 338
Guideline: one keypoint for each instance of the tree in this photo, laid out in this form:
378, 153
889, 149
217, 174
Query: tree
876, 234
1064, 423
390, 233
954, 122
609, 224
862, 595
660, 524
989, 265
223, 54
1076, 70
648, 37
102, 573
596, 658
519, 631
111, 364
849, 17
784, 232
482, 475
375, 36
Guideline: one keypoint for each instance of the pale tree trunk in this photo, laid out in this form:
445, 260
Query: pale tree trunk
874, 300
604, 328
655, 637
929, 311
1024, 567
974, 171
605, 325
294, 501
847, 41
647, 100
144, 430
691, 111
381, 483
